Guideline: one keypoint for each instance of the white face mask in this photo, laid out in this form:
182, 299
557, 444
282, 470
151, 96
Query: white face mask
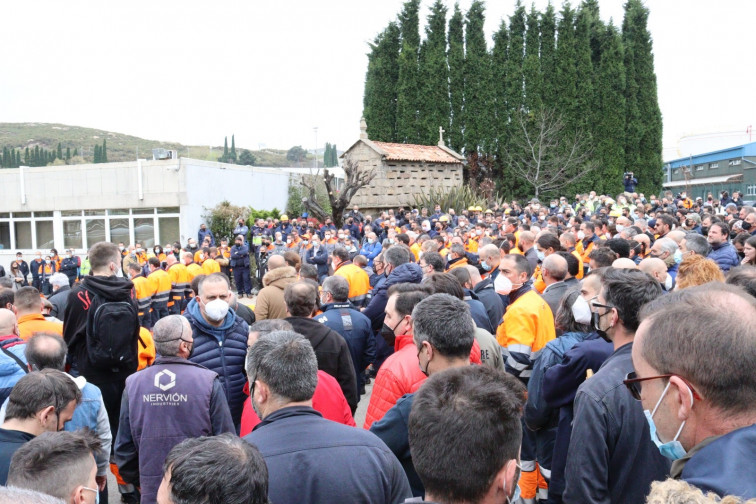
581, 311
581, 235
502, 285
668, 283
216, 310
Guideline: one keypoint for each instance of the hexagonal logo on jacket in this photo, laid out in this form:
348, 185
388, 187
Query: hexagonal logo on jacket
162, 383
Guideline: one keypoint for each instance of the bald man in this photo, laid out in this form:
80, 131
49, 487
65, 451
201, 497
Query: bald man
187, 400
554, 271
624, 263
658, 270
12, 360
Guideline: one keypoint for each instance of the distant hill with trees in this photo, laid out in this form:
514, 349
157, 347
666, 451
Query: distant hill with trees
60, 144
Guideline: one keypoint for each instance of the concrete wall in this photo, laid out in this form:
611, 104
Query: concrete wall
209, 183
189, 184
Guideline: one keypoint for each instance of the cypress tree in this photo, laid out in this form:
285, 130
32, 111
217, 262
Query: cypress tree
566, 72
434, 77
643, 139
76, 152
516, 60
36, 158
96, 154
6, 157
531, 66
379, 102
27, 159
60, 151
68, 154
233, 148
408, 84
104, 151
585, 105
18, 158
334, 155
610, 91
224, 159
478, 102
499, 68
456, 59
548, 57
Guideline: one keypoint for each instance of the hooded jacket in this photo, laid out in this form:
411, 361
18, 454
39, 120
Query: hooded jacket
270, 302
110, 288
408, 272
222, 349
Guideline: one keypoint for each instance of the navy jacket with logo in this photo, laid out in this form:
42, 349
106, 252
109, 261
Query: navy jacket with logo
356, 330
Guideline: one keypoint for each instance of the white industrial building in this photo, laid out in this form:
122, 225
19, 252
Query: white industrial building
151, 202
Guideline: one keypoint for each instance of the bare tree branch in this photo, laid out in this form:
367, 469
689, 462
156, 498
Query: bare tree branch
355, 178
545, 155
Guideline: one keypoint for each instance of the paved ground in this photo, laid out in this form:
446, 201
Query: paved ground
359, 419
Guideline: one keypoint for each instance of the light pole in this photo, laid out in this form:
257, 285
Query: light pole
316, 147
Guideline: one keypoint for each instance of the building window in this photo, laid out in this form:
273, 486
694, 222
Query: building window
676, 172
699, 167
22, 234
144, 232
45, 239
751, 190
95, 231
72, 234
5, 242
119, 231
169, 230
731, 162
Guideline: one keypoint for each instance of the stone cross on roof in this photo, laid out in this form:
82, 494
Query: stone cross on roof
441, 132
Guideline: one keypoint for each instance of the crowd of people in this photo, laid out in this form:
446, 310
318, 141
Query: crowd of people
588, 351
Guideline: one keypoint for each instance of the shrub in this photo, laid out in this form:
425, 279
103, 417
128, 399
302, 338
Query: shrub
223, 218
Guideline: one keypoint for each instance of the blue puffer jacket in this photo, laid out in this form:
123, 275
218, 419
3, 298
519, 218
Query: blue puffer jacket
408, 272
222, 349
725, 256
10, 370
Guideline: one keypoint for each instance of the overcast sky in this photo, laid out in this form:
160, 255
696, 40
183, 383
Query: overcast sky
270, 71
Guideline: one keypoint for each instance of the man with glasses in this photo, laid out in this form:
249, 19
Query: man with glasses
611, 457
694, 378
184, 399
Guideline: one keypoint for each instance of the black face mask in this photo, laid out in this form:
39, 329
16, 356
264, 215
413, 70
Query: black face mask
705, 230
746, 226
388, 333
596, 322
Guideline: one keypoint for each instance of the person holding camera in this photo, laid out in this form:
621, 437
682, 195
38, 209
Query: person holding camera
630, 182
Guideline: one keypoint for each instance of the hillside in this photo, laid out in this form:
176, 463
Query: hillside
120, 147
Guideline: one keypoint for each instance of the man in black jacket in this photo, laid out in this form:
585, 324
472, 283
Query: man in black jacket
611, 457
107, 282
330, 347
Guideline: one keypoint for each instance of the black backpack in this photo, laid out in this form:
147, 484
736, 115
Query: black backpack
112, 335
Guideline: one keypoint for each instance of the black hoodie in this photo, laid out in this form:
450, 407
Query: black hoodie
111, 288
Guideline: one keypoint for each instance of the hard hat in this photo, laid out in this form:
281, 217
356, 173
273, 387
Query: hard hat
478, 209
444, 218
284, 217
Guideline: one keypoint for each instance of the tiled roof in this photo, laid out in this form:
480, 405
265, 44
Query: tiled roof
410, 152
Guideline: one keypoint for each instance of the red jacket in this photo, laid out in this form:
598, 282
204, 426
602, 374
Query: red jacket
400, 374
328, 399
